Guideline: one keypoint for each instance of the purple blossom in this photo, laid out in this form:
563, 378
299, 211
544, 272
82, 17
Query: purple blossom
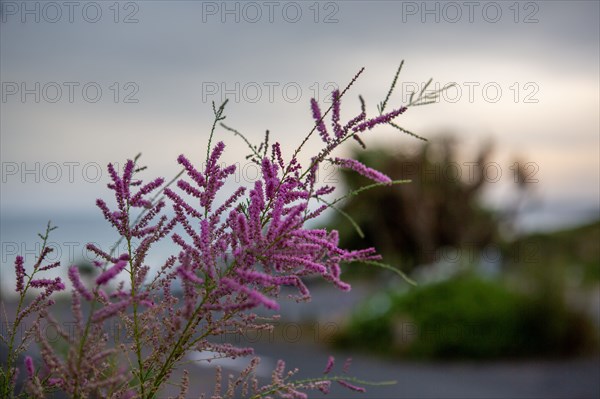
382, 119
354, 121
29, 367
138, 201
54, 381
269, 171
111, 273
335, 117
191, 171
147, 303
363, 170
78, 284
20, 272
50, 285
329, 366
324, 386
324, 190
50, 266
347, 364
110, 310
316, 113
190, 276
256, 297
233, 254
276, 155
346, 384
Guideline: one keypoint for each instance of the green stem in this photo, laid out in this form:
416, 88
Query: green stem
299, 148
136, 329
176, 351
11, 355
18, 317
88, 325
218, 117
300, 383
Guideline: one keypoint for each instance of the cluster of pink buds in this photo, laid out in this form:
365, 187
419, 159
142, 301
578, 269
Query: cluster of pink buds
229, 258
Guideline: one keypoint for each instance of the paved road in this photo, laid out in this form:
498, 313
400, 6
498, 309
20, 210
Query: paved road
572, 379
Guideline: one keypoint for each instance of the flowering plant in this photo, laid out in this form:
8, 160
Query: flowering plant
230, 258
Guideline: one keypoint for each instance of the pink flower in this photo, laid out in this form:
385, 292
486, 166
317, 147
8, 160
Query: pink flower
50, 285
110, 310
20, 272
78, 284
111, 273
55, 381
330, 363
346, 384
363, 170
29, 366
188, 275
316, 113
256, 297
382, 119
233, 254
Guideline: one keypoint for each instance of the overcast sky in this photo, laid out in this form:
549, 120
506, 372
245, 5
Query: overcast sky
86, 83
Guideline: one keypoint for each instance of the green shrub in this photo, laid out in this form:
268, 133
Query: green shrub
467, 317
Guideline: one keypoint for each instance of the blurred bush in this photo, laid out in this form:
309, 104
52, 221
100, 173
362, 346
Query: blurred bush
534, 308
409, 223
468, 317
573, 254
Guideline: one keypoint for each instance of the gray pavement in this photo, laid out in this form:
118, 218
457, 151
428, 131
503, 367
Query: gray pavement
568, 379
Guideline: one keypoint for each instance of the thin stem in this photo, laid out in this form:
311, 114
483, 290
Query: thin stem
237, 133
297, 151
368, 187
88, 325
392, 86
18, 317
301, 383
218, 117
325, 114
136, 330
176, 351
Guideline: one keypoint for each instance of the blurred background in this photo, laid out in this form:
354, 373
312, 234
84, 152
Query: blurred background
499, 226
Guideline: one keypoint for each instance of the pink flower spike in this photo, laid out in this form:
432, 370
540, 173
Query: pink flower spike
316, 113
110, 310
335, 118
20, 272
78, 284
188, 275
379, 120
54, 381
324, 386
29, 366
41, 282
363, 170
330, 363
102, 294
355, 388
347, 364
147, 303
50, 285
255, 296
111, 273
